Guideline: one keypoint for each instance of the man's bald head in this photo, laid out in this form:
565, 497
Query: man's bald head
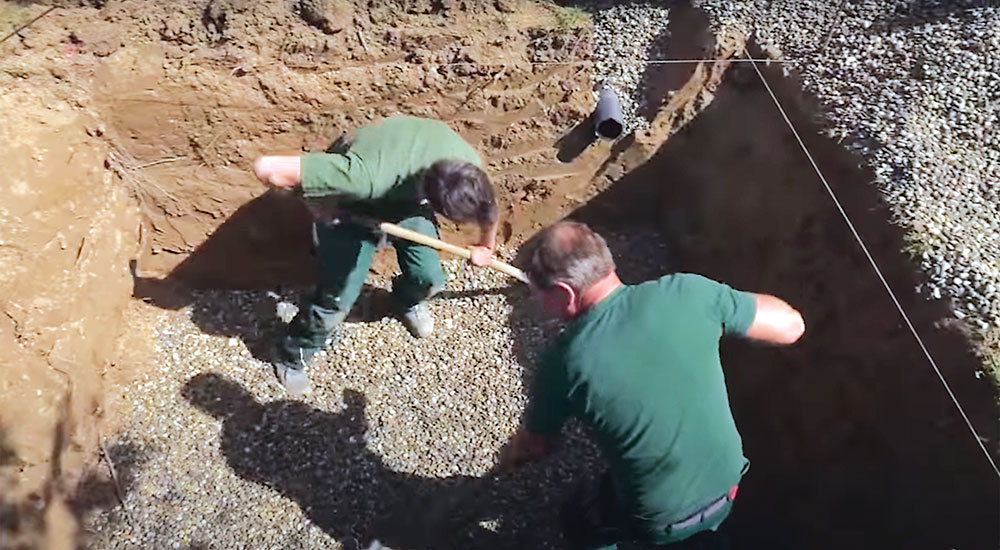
567, 252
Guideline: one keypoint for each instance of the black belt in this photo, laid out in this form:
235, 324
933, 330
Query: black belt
705, 513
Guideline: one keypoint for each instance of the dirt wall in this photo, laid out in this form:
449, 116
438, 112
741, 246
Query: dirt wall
128, 135
67, 232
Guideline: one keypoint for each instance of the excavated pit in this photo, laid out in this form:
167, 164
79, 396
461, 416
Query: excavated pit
852, 439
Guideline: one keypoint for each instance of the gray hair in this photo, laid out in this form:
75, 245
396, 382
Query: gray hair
566, 252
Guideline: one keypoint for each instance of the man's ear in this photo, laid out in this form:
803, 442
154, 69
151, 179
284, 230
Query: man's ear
567, 298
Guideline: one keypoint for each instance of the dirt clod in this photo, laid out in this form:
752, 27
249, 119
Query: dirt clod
329, 16
506, 6
101, 38
219, 14
177, 27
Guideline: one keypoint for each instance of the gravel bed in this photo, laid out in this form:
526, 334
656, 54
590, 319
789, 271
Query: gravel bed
396, 442
626, 36
914, 87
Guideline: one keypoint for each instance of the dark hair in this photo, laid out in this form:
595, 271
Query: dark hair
460, 191
567, 252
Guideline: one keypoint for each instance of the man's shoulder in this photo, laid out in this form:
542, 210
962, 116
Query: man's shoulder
682, 285
326, 174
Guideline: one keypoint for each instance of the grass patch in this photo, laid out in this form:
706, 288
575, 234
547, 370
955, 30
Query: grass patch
568, 18
989, 352
915, 246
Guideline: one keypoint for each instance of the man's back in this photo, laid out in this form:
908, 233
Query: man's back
642, 369
398, 148
384, 160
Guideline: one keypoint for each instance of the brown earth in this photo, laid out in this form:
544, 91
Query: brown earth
129, 132
66, 236
128, 136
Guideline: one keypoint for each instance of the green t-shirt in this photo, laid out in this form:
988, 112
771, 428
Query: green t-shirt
642, 370
383, 163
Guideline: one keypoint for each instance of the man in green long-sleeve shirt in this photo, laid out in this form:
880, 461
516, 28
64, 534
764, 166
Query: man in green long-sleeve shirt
639, 365
402, 170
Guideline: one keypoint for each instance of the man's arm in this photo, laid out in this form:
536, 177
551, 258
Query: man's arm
775, 322
482, 253
285, 172
522, 448
547, 410
279, 171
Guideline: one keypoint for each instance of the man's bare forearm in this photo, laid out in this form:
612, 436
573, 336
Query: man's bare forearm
283, 172
488, 235
775, 322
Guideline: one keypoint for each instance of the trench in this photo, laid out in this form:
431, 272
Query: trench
853, 441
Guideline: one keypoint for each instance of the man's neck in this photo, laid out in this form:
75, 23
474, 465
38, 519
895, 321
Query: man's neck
599, 291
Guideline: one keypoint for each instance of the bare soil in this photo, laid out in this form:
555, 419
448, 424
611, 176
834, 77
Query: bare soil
66, 236
129, 132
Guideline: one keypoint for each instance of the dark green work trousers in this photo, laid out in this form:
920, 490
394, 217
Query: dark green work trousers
345, 253
594, 520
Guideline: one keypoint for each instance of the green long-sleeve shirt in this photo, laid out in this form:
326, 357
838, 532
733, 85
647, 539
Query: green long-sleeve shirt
381, 169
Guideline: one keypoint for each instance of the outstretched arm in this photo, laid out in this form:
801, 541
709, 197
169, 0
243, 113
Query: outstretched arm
279, 171
775, 322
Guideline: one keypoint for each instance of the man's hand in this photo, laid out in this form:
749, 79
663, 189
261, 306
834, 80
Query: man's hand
481, 255
278, 171
522, 448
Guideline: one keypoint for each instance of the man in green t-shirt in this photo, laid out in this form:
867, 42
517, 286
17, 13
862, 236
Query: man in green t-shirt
401, 170
639, 365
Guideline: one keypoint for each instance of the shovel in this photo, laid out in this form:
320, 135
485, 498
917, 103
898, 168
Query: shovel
420, 238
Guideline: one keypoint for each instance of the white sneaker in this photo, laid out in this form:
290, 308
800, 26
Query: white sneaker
419, 320
296, 381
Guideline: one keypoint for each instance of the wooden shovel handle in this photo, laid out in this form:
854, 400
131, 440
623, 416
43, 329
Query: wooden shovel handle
420, 238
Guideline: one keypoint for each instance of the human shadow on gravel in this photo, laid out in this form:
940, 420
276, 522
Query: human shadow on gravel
320, 460
852, 439
264, 244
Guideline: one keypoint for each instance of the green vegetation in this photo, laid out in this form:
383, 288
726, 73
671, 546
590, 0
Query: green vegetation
989, 352
915, 246
569, 17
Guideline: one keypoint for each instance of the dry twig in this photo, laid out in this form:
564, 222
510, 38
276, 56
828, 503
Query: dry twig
114, 474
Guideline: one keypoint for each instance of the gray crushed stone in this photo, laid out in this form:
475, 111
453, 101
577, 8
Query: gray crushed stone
626, 37
914, 87
396, 443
